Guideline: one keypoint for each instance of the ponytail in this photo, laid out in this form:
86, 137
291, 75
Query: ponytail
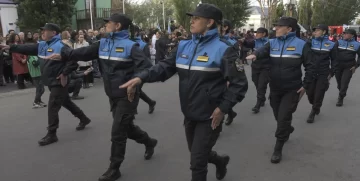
132, 31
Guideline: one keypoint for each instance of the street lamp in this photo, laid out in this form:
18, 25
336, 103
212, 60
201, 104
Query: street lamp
161, 2
123, 6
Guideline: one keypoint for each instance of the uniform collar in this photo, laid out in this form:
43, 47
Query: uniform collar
263, 39
289, 35
124, 34
138, 38
325, 37
210, 34
54, 38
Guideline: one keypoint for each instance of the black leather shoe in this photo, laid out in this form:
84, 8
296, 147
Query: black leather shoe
230, 118
83, 124
340, 102
110, 175
277, 155
262, 104
311, 117
152, 107
77, 97
149, 152
221, 169
256, 109
48, 139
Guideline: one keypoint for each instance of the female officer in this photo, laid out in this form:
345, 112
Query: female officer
286, 53
323, 53
347, 49
204, 65
119, 58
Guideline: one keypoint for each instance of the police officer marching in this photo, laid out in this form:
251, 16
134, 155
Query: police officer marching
204, 64
145, 48
55, 76
225, 30
285, 53
347, 49
323, 55
119, 58
260, 70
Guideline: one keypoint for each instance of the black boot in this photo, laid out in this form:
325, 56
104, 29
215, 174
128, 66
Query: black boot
111, 174
276, 157
262, 104
221, 169
230, 117
76, 97
317, 112
256, 109
152, 107
84, 120
340, 102
48, 139
220, 162
311, 117
149, 152
292, 129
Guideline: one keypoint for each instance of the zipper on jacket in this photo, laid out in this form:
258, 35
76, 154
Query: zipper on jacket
281, 59
192, 58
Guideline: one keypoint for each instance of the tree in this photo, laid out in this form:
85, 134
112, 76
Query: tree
271, 6
291, 11
305, 13
236, 11
181, 8
334, 12
149, 12
358, 22
280, 12
35, 13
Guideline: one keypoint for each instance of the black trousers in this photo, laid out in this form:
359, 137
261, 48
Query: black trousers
21, 80
123, 127
260, 77
144, 97
89, 78
2, 63
201, 138
284, 104
8, 73
40, 89
343, 76
75, 86
316, 91
59, 96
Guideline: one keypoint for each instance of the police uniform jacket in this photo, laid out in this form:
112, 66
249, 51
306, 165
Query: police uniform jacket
286, 54
324, 55
230, 40
347, 50
260, 63
119, 58
204, 65
143, 46
50, 69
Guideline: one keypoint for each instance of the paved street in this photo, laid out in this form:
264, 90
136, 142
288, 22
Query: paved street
328, 150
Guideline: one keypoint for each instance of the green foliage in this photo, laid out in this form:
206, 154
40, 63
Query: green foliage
237, 11
35, 13
334, 12
181, 8
278, 13
147, 13
305, 13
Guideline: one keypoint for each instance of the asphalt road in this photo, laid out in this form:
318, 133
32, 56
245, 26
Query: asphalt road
328, 150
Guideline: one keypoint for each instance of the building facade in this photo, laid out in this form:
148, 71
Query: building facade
8, 16
100, 9
256, 19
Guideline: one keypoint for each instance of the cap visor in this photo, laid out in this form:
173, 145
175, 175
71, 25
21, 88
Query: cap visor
106, 19
280, 24
196, 14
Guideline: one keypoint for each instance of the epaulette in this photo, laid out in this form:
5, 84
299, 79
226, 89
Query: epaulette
225, 41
